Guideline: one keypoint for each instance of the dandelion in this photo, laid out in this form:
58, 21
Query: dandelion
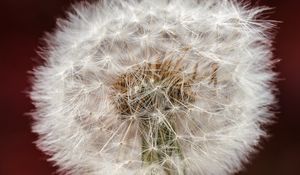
160, 87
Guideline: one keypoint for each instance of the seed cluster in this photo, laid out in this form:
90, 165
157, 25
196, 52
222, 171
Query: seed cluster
151, 95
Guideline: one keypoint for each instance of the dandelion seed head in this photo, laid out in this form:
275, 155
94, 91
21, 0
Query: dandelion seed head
155, 87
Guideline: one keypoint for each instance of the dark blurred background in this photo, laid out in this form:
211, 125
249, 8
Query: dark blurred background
23, 22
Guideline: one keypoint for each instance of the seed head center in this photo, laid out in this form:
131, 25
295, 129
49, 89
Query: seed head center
162, 86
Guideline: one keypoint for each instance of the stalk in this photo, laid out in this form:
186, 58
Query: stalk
166, 143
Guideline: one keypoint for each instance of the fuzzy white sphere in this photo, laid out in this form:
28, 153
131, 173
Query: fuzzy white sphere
155, 87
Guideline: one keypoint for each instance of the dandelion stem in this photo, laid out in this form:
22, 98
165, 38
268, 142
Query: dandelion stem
166, 146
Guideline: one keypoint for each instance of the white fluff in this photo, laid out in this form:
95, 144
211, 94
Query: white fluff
77, 123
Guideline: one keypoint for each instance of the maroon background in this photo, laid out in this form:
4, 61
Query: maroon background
23, 22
